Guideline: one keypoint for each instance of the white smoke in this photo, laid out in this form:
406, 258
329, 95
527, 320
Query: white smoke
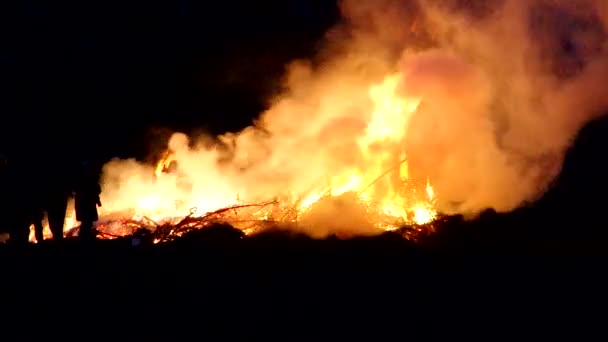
505, 87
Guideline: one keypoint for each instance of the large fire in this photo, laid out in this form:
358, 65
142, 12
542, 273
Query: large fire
382, 189
411, 107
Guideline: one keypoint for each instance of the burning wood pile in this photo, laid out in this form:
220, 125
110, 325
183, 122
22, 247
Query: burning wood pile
319, 214
346, 176
250, 219
170, 229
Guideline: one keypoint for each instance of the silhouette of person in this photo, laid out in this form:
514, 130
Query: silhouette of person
4, 195
57, 191
34, 199
21, 201
30, 212
86, 200
37, 215
19, 230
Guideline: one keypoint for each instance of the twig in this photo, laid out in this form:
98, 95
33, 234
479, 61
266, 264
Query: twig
146, 218
382, 176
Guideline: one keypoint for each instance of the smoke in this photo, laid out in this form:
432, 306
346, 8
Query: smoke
494, 136
501, 87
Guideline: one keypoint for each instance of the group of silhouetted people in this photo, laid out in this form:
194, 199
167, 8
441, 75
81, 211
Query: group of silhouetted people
28, 194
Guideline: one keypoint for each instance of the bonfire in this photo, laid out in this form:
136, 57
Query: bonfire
259, 217
367, 191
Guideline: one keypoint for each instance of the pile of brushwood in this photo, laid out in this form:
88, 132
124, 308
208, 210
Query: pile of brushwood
147, 229
525, 231
240, 217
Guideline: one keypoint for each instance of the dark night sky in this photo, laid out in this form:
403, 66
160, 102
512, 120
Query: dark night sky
97, 76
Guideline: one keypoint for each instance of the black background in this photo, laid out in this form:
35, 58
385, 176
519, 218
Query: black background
103, 78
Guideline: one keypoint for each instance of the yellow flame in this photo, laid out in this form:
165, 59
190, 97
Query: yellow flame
391, 113
429, 191
164, 163
388, 123
69, 223
424, 215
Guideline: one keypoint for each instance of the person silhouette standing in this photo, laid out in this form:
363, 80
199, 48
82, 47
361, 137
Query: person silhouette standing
57, 191
86, 200
36, 217
23, 206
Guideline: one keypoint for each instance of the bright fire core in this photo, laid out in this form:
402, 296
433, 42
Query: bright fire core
376, 191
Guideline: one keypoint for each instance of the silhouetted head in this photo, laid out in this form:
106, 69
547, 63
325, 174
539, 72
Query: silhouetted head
86, 167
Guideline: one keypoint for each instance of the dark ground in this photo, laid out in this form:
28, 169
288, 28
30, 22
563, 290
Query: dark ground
538, 272
216, 283
255, 289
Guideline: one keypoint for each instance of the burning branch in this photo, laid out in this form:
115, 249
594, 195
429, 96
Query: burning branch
168, 231
377, 179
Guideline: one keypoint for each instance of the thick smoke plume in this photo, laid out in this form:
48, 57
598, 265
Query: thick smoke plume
500, 90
